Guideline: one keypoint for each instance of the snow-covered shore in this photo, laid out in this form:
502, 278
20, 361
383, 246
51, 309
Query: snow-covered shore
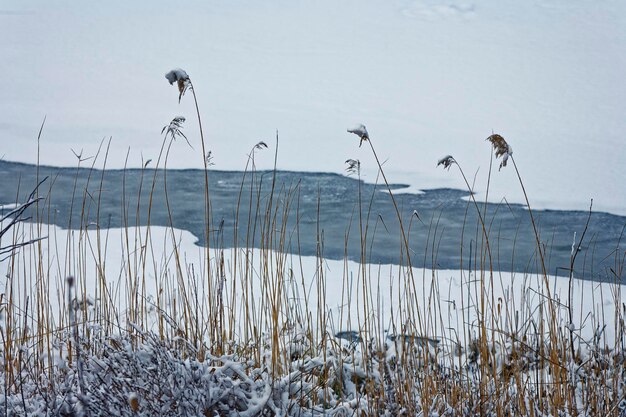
141, 321
128, 364
441, 293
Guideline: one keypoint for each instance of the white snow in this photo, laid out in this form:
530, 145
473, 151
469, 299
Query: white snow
176, 75
9, 206
359, 130
448, 302
448, 299
427, 78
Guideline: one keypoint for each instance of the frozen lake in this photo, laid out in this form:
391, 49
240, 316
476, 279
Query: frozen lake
435, 239
428, 78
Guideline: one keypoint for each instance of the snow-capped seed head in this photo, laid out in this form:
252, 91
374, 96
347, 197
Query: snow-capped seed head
501, 147
181, 78
361, 131
446, 161
175, 75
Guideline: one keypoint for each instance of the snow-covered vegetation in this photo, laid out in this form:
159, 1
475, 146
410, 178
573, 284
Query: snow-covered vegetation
143, 330
140, 321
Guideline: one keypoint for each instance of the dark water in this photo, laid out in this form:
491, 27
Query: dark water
319, 214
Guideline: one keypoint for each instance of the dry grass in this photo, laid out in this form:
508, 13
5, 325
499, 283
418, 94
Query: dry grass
256, 330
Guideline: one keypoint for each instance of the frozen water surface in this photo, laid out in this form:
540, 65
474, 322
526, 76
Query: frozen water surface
329, 201
427, 78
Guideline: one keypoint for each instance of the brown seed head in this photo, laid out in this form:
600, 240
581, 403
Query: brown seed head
133, 402
502, 148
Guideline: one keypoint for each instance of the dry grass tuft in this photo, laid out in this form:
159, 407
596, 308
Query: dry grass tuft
253, 333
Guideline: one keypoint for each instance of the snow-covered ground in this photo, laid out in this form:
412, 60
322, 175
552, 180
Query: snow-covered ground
449, 299
428, 78
128, 368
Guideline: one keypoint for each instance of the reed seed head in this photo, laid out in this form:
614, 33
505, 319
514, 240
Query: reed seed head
354, 166
502, 148
181, 79
446, 161
175, 127
361, 131
261, 145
